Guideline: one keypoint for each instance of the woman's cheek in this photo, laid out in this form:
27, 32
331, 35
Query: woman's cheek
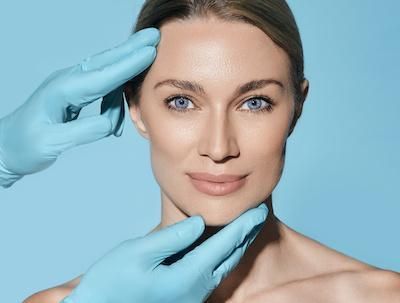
173, 133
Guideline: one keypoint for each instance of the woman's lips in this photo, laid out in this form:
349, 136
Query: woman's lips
217, 188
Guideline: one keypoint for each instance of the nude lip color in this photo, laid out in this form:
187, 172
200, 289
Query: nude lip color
217, 188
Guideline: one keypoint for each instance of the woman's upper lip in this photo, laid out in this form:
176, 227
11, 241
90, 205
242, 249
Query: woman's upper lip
215, 178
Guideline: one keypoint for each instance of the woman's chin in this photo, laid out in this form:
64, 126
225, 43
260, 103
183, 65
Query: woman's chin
216, 219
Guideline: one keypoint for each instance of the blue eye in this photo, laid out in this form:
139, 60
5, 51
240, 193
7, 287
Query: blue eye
256, 103
180, 102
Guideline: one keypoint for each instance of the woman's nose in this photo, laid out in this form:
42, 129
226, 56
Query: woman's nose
218, 138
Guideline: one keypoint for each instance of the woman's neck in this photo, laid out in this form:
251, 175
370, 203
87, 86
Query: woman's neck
260, 266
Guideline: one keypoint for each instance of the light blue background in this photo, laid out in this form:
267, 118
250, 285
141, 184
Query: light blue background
341, 180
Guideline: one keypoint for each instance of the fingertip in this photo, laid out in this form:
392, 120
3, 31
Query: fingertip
199, 219
264, 209
263, 206
152, 34
260, 218
140, 61
151, 50
146, 37
198, 223
155, 34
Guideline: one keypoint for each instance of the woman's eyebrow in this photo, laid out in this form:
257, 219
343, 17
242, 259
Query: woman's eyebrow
198, 89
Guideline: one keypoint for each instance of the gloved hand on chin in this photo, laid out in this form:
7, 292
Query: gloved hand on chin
133, 271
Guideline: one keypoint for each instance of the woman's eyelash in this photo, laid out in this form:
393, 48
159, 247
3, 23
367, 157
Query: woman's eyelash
268, 107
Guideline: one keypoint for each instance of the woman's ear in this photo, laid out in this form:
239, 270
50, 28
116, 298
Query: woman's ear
134, 111
298, 108
305, 85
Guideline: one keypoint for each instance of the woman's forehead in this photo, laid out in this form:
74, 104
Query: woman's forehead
212, 47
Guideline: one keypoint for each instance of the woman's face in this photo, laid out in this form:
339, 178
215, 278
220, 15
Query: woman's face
214, 128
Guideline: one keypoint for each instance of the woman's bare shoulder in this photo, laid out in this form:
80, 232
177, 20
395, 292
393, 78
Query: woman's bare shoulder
375, 285
366, 286
349, 280
371, 285
54, 294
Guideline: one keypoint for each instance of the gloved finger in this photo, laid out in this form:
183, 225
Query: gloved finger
113, 107
80, 131
85, 87
145, 37
230, 263
212, 252
172, 239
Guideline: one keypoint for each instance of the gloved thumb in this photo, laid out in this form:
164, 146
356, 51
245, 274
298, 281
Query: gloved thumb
173, 238
80, 131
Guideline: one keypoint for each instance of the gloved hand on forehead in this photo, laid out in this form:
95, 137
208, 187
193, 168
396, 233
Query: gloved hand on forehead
134, 270
47, 124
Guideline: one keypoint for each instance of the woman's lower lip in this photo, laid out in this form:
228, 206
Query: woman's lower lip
217, 189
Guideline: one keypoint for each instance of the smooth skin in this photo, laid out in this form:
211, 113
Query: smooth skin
220, 134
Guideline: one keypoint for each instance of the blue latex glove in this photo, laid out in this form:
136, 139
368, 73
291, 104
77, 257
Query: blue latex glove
132, 272
36, 133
